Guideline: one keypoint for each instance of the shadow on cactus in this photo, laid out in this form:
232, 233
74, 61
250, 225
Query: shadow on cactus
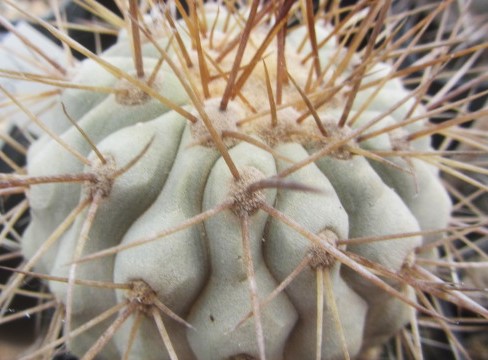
246, 181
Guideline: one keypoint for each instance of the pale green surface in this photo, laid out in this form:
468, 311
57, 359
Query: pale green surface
50, 203
285, 248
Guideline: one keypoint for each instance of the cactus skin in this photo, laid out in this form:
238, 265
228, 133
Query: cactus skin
201, 272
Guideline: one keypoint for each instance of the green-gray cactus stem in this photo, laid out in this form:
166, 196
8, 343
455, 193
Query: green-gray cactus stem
155, 171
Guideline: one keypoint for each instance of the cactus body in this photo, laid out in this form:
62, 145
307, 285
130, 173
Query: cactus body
202, 272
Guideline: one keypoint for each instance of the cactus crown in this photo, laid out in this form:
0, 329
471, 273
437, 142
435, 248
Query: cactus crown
243, 181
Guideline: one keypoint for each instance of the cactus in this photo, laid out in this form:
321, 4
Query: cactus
225, 186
